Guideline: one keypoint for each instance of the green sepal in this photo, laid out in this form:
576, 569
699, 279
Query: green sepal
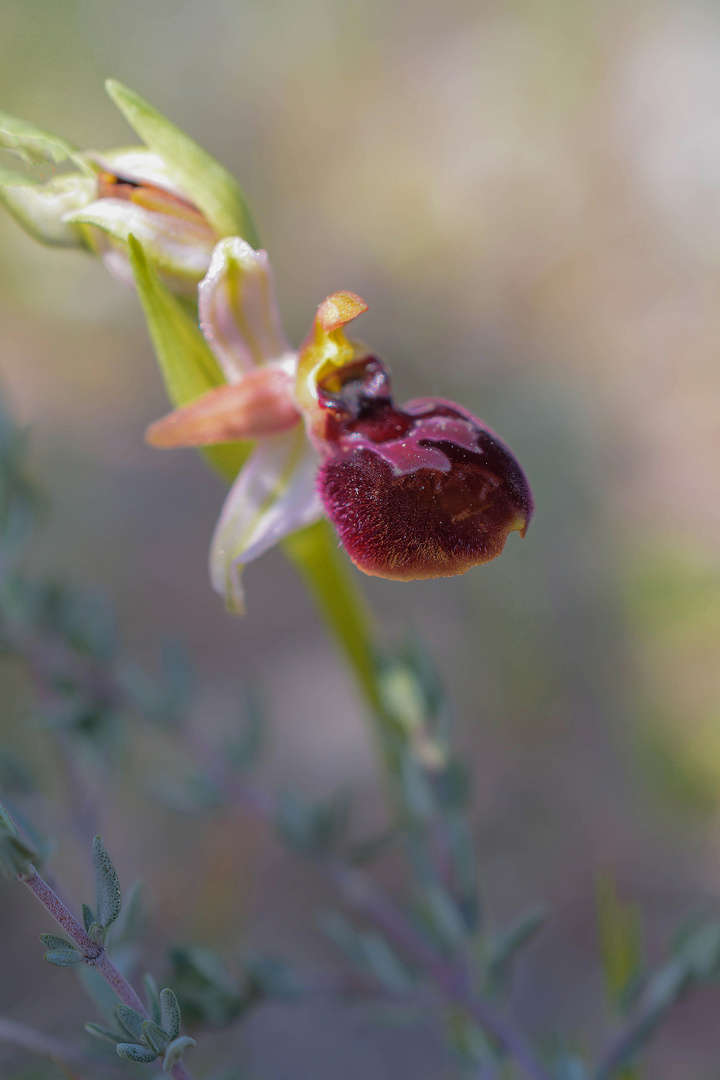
204, 180
31, 143
136, 1053
40, 208
187, 363
169, 1013
109, 898
62, 957
175, 1051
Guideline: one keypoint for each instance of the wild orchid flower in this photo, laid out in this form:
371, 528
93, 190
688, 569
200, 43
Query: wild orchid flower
174, 198
423, 490
418, 491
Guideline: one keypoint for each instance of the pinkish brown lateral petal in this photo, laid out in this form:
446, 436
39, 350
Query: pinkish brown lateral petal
261, 404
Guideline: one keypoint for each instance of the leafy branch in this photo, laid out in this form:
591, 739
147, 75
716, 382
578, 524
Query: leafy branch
155, 1029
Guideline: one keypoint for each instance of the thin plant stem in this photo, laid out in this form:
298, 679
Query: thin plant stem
317, 558
92, 953
362, 894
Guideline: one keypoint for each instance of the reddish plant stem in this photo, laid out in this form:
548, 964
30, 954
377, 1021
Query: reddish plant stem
92, 953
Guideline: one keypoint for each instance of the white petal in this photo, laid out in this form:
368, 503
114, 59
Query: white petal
179, 247
139, 165
238, 311
273, 496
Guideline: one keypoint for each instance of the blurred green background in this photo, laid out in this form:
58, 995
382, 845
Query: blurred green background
528, 197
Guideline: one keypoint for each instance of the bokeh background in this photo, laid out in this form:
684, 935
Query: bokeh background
528, 196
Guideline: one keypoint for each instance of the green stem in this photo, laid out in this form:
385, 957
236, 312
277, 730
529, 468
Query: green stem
324, 568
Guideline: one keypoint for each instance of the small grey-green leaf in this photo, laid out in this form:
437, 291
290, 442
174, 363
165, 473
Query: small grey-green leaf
100, 1032
175, 1051
88, 917
136, 1053
62, 957
97, 933
169, 1013
131, 1020
109, 899
155, 1037
54, 942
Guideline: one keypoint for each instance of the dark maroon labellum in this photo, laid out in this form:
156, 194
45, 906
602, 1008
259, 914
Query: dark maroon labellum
421, 491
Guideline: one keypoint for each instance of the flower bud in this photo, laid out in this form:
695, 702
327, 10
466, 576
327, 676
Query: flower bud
173, 232
172, 196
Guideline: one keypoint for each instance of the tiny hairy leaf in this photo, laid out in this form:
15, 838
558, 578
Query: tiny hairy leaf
130, 1019
109, 898
62, 957
169, 1013
88, 917
54, 942
133, 1052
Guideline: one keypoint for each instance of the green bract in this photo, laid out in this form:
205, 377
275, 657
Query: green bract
205, 181
188, 365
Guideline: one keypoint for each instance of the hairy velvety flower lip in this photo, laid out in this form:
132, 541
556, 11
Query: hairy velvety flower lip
419, 491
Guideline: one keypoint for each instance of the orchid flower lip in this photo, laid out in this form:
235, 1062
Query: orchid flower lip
415, 491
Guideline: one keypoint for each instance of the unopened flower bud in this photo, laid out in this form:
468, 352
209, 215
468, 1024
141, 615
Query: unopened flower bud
173, 197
